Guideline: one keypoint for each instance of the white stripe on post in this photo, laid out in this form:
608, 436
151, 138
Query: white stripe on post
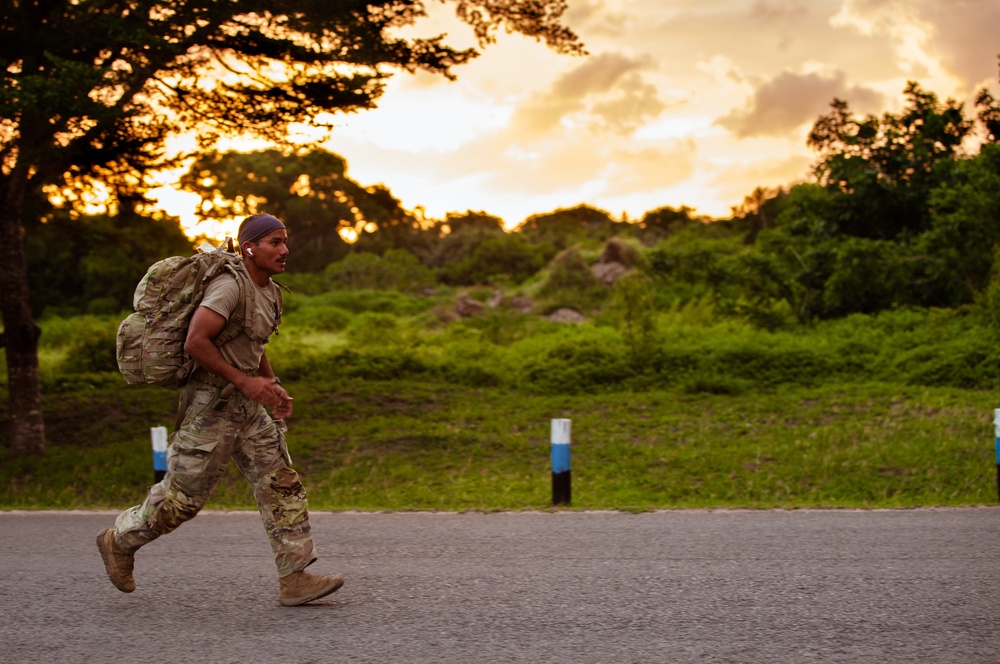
159, 436
561, 489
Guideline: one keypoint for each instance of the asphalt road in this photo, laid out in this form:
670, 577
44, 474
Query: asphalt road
676, 586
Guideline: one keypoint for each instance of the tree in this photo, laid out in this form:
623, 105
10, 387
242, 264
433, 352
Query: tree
882, 170
663, 222
397, 270
989, 114
457, 247
307, 189
457, 236
567, 226
758, 210
958, 250
503, 257
91, 91
91, 264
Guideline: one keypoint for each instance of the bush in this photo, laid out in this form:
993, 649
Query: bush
867, 277
687, 268
92, 350
397, 270
500, 327
377, 365
633, 305
966, 360
570, 283
374, 329
358, 301
60, 331
577, 366
321, 317
497, 259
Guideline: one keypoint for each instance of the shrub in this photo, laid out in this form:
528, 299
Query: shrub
497, 259
867, 276
92, 350
498, 326
632, 301
377, 364
319, 317
374, 329
397, 269
966, 359
570, 283
358, 301
689, 267
577, 366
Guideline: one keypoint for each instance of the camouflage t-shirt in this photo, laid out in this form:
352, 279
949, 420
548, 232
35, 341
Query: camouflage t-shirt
223, 296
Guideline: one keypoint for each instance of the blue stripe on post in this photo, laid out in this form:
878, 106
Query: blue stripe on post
996, 426
560, 458
561, 489
159, 436
560, 445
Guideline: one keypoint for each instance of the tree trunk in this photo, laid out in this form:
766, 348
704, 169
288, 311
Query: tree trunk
20, 337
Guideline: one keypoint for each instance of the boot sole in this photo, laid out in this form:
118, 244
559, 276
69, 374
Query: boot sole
323, 592
106, 557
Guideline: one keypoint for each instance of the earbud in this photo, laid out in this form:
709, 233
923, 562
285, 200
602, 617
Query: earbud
249, 251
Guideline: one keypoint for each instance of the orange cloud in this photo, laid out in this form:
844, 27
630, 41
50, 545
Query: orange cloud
783, 104
606, 91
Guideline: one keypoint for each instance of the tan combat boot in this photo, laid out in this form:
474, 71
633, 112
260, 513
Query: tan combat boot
301, 587
117, 561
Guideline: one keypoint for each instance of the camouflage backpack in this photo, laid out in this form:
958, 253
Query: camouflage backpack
150, 342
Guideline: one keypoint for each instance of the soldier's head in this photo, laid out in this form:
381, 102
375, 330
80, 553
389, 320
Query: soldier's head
264, 242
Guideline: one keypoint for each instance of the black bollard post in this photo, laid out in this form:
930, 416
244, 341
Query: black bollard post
561, 486
996, 434
159, 436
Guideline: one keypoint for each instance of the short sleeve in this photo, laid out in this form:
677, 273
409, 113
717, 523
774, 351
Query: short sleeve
222, 295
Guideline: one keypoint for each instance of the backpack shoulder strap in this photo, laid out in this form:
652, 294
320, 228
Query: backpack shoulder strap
242, 315
281, 302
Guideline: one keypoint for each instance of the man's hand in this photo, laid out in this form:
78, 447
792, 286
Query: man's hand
269, 393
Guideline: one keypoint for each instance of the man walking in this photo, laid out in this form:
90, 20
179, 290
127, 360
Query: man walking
221, 415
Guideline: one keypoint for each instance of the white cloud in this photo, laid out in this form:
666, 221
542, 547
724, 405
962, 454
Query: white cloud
950, 47
684, 102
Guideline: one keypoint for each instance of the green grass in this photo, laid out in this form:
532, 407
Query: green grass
400, 405
410, 445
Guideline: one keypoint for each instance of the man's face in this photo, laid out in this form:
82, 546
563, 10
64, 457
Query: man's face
270, 252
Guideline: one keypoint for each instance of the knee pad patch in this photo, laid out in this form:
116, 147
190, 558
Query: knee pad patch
175, 508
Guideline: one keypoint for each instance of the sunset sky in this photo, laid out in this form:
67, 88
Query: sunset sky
679, 102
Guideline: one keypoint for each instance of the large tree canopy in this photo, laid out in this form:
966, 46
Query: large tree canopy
101, 103
881, 170
310, 191
91, 92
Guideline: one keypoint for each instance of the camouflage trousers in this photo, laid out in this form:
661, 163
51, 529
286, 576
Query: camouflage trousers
210, 431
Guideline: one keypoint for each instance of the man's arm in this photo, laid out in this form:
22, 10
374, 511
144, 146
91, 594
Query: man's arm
284, 409
264, 368
205, 325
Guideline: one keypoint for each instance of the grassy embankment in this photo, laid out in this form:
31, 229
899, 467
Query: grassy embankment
396, 411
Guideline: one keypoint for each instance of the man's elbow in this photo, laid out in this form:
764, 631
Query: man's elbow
194, 347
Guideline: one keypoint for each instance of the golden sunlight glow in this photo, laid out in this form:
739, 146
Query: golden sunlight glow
185, 205
94, 200
301, 186
348, 235
618, 129
180, 204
